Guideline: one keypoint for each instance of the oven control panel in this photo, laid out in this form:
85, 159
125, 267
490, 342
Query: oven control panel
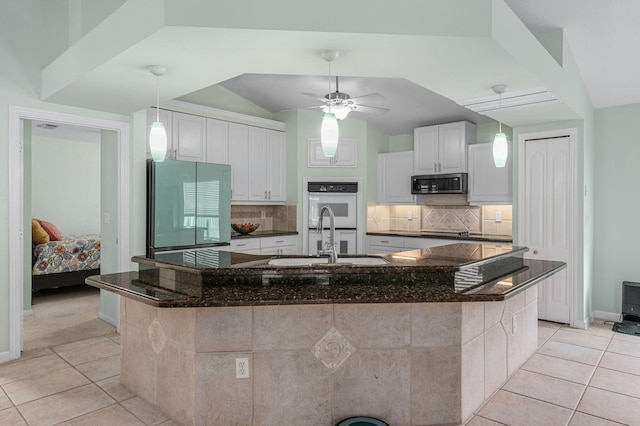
349, 187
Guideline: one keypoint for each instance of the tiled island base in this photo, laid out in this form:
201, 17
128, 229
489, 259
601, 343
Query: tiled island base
407, 364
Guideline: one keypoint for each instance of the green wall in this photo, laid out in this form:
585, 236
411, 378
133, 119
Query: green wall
617, 204
61, 171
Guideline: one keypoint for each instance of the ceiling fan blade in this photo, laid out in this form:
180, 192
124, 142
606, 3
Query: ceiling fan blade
372, 97
314, 96
370, 109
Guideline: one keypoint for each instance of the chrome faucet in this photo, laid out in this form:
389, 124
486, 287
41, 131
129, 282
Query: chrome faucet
331, 250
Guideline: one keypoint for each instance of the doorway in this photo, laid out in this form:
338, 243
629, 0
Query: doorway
546, 215
18, 220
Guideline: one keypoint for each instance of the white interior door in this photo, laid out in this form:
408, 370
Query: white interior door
548, 220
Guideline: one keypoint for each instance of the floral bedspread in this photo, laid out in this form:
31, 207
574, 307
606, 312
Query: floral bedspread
72, 253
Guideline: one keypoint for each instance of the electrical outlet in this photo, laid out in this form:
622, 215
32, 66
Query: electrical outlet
498, 217
514, 324
263, 214
242, 368
107, 218
409, 215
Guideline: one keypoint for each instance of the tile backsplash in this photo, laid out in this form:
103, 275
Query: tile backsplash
474, 219
270, 218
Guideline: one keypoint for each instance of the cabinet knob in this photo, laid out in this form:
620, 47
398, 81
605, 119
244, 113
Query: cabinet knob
535, 252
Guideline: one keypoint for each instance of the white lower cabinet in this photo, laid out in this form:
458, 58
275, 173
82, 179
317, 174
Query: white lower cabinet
248, 245
383, 244
287, 244
279, 245
392, 244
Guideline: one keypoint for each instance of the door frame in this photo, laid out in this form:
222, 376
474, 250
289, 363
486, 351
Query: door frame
572, 133
16, 201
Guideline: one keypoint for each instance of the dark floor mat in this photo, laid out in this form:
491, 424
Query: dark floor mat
627, 327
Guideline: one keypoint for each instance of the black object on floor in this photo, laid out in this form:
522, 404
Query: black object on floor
362, 421
627, 327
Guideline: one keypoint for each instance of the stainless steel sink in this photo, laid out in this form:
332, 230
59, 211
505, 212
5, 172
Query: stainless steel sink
310, 261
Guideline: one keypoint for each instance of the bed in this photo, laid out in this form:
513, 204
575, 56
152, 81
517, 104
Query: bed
65, 262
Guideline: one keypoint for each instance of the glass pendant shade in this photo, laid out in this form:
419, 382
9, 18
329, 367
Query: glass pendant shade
158, 141
500, 150
329, 134
341, 111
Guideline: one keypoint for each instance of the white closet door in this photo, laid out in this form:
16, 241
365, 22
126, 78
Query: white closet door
548, 221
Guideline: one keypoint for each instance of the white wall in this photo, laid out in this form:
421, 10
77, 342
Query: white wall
66, 184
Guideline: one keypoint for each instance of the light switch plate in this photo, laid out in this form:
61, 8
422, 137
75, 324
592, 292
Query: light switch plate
498, 217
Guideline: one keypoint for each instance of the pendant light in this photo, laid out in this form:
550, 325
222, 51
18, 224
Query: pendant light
500, 146
329, 132
157, 134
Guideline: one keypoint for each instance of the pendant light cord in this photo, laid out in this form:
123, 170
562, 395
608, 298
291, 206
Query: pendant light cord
330, 101
157, 98
500, 112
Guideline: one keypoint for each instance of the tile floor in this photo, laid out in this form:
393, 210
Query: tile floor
577, 377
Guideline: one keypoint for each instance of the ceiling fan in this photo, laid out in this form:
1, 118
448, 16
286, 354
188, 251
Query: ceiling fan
340, 103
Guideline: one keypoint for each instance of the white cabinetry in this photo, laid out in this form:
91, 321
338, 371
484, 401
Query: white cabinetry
238, 146
382, 244
394, 178
488, 184
217, 141
266, 165
256, 155
346, 154
392, 244
249, 245
442, 148
189, 137
279, 245
186, 135
287, 244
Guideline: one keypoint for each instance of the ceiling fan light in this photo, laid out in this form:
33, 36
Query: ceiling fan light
341, 111
329, 134
500, 150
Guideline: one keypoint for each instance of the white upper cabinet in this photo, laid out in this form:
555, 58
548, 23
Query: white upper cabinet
256, 155
346, 154
217, 141
442, 148
189, 137
238, 149
257, 158
276, 166
394, 178
488, 184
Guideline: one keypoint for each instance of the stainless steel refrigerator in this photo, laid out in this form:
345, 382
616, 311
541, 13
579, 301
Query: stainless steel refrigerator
188, 205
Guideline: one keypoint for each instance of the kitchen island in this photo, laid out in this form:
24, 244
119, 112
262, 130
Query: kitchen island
422, 337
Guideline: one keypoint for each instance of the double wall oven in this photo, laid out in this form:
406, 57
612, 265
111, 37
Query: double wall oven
342, 198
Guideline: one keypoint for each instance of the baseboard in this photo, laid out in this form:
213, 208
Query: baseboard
4, 357
27, 312
108, 319
607, 316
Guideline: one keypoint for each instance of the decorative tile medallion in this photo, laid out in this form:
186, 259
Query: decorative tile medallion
333, 349
156, 336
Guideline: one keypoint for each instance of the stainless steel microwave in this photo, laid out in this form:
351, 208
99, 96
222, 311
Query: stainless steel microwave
453, 183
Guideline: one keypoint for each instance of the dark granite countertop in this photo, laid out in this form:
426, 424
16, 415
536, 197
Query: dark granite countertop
451, 273
261, 234
447, 235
